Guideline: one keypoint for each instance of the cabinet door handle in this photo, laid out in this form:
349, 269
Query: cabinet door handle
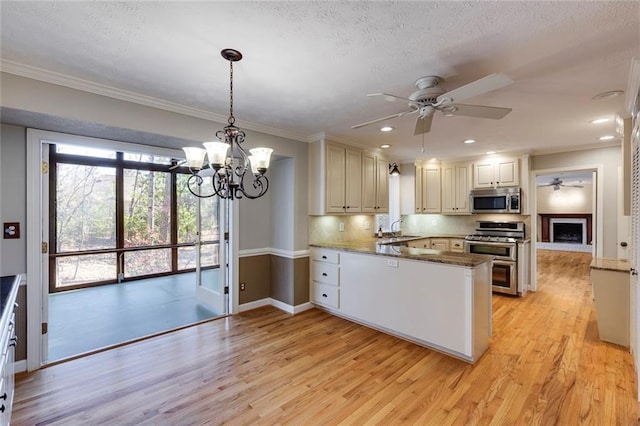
324, 295
4, 396
2, 409
634, 271
13, 342
324, 257
623, 244
324, 274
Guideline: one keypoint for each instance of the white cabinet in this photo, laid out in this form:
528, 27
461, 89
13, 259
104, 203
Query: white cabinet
441, 244
344, 179
456, 245
495, 173
8, 340
375, 184
422, 243
428, 187
325, 277
456, 183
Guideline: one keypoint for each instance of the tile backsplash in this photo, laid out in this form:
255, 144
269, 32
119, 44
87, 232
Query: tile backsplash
324, 229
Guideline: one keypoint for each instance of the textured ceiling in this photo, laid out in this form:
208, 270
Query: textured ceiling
308, 65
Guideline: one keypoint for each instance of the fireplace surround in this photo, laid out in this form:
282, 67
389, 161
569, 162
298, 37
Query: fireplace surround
547, 230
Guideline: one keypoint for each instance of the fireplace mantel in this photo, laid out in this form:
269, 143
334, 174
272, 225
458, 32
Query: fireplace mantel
546, 220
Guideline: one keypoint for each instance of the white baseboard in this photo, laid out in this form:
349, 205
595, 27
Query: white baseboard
20, 366
276, 304
255, 304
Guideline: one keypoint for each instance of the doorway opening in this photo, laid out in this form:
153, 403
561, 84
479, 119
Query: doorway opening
131, 252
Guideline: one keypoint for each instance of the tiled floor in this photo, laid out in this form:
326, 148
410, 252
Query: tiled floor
85, 320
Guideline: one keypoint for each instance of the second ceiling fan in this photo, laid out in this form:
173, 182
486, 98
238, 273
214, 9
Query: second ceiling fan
429, 98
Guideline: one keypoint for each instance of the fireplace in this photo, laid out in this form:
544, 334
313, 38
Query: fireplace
568, 230
573, 218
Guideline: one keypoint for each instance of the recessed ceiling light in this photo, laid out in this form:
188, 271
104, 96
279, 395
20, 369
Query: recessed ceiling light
385, 146
607, 95
600, 120
386, 129
469, 141
606, 138
490, 152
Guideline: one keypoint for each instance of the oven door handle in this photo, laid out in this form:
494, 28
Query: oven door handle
504, 262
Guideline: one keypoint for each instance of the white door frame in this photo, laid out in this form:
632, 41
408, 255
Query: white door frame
599, 209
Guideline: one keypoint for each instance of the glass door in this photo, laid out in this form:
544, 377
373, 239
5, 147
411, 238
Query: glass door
210, 252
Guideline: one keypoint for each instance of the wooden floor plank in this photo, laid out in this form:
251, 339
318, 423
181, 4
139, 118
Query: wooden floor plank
545, 365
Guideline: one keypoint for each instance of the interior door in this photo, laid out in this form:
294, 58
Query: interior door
211, 283
44, 353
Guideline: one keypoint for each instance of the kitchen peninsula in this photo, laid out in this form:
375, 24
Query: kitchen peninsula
438, 299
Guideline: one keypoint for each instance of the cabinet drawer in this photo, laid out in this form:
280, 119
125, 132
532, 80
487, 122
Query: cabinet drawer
323, 255
327, 273
457, 245
325, 294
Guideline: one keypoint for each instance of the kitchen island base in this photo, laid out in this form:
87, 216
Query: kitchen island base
442, 306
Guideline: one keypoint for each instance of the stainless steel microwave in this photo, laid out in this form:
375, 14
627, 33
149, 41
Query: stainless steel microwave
495, 200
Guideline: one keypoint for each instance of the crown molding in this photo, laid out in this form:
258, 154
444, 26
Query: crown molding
35, 73
559, 150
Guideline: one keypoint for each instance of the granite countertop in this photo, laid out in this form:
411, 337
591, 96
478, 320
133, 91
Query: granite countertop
608, 264
374, 246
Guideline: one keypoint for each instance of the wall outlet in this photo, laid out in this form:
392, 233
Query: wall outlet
392, 263
243, 286
434, 222
367, 225
341, 226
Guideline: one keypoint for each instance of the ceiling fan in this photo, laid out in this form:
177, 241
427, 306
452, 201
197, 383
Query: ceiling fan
557, 183
430, 97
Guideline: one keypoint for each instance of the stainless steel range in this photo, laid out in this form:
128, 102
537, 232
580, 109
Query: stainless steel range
500, 240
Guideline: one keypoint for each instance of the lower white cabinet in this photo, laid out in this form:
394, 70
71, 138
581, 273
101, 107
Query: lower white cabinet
456, 245
8, 340
325, 277
422, 243
441, 244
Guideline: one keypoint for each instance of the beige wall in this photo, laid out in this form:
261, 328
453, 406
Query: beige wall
565, 200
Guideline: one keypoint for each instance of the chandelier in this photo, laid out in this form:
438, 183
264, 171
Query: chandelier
226, 157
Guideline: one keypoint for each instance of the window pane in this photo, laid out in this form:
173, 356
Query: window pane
147, 158
187, 210
209, 255
147, 208
85, 208
85, 151
75, 270
146, 262
210, 227
186, 258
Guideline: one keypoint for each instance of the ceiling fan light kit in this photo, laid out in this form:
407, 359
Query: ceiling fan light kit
430, 97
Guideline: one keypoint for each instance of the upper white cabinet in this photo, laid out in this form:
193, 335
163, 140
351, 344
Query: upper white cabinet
375, 183
344, 179
456, 184
493, 173
420, 192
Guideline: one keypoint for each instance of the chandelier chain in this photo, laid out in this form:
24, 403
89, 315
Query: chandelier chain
232, 119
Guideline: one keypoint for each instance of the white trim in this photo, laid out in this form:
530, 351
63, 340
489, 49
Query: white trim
633, 85
274, 251
40, 74
268, 301
34, 256
290, 254
20, 366
254, 305
254, 252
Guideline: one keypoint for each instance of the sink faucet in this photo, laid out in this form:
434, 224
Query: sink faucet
399, 231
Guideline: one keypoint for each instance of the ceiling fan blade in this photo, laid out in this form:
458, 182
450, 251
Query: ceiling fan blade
478, 87
423, 125
400, 114
480, 111
392, 98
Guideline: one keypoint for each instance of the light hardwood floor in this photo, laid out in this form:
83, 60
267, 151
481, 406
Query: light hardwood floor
545, 366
